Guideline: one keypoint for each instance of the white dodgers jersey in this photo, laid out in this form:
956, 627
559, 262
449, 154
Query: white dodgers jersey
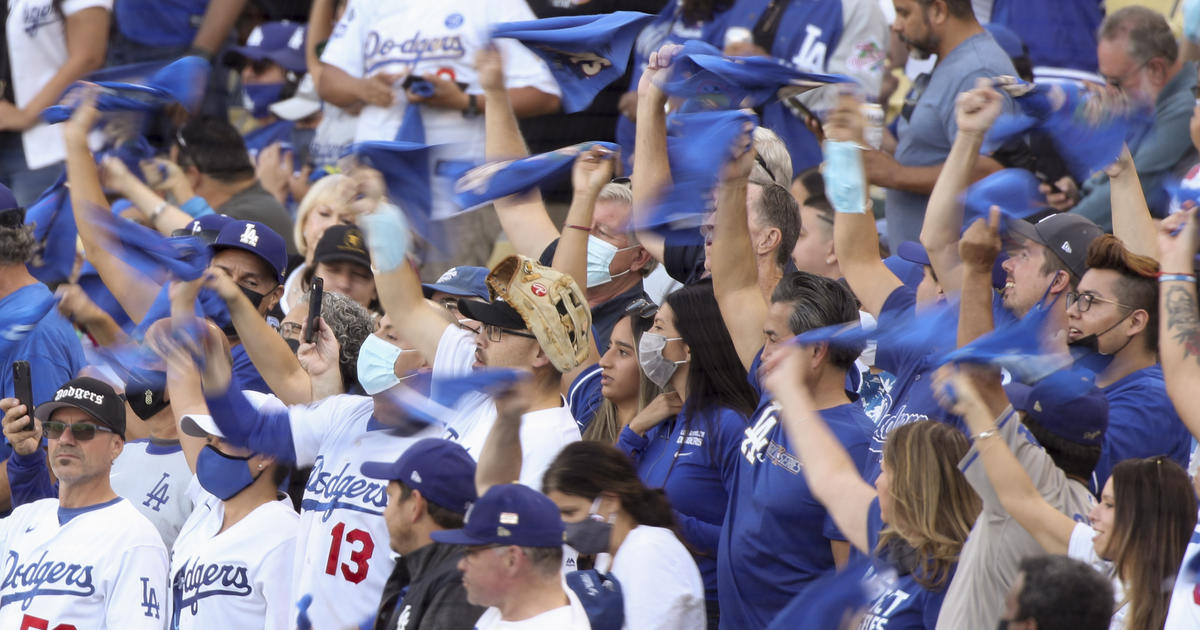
344, 554
102, 568
154, 477
237, 579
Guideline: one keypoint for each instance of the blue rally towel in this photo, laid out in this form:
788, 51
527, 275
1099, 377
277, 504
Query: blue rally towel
53, 233
405, 169
1016, 347
933, 327
493, 180
180, 82
1013, 190
585, 53
828, 602
1087, 131
425, 400
712, 80
151, 253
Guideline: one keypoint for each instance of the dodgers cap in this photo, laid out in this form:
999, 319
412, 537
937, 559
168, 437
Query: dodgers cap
461, 281
94, 397
442, 470
256, 238
1056, 404
281, 42
509, 514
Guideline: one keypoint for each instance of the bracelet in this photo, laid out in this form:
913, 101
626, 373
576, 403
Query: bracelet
579, 227
472, 109
983, 435
1176, 277
158, 210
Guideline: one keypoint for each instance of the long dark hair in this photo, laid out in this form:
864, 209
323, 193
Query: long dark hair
588, 469
716, 377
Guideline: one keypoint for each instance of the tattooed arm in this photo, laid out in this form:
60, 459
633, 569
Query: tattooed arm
1179, 332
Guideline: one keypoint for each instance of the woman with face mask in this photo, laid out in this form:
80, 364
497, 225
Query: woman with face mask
688, 440
611, 514
605, 397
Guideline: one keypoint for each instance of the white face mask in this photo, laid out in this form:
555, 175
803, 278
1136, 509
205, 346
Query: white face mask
377, 365
600, 254
655, 366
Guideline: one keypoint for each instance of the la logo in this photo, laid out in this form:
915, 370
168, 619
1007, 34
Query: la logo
249, 236
297, 40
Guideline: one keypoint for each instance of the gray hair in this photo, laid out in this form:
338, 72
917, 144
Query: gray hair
1146, 31
16, 245
774, 155
350, 323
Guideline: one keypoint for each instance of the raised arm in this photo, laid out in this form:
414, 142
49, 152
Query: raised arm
828, 468
1020, 498
854, 237
218, 22
500, 459
523, 217
158, 212
978, 250
734, 271
975, 112
1131, 218
1179, 339
651, 167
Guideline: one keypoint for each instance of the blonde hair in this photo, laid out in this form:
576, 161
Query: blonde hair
325, 191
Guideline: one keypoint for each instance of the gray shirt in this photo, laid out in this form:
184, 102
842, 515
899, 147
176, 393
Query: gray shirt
924, 138
996, 545
254, 203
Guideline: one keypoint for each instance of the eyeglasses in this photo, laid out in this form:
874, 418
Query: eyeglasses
914, 95
290, 330
81, 431
1083, 301
642, 308
1118, 81
496, 334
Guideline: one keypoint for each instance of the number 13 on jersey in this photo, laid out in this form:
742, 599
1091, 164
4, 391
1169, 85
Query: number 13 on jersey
354, 569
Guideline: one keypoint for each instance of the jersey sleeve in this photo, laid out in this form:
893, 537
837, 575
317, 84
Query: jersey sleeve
138, 600
344, 49
585, 396
275, 584
28, 478
702, 535
632, 444
262, 430
70, 7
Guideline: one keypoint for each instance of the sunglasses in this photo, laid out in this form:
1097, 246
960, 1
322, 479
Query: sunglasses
642, 308
81, 431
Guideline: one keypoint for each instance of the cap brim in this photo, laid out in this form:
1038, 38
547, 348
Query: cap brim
343, 257
1025, 230
295, 108
384, 471
45, 410
1018, 394
216, 247
199, 426
495, 313
430, 289
457, 537
913, 252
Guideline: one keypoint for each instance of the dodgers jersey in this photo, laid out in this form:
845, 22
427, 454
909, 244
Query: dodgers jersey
56, 576
237, 579
154, 476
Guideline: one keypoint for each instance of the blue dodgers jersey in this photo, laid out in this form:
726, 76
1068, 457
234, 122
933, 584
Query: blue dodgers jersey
776, 535
1060, 34
160, 22
1142, 422
808, 33
898, 602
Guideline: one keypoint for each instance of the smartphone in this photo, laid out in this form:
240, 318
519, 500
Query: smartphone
23, 387
315, 293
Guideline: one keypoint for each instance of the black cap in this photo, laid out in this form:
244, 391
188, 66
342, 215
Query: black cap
1067, 235
342, 243
146, 393
497, 313
95, 397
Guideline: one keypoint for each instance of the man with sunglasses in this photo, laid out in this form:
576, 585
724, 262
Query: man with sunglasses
57, 576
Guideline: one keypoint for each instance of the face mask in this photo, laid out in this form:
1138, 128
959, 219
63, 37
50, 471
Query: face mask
223, 475
1086, 350
655, 366
600, 255
257, 98
591, 535
255, 300
377, 365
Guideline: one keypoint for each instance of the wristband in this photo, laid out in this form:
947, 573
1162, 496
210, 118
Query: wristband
843, 173
579, 227
388, 238
158, 210
1176, 277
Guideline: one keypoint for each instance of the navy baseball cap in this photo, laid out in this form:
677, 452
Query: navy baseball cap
256, 238
206, 228
1066, 235
1067, 403
442, 470
463, 281
509, 514
281, 42
94, 397
13, 215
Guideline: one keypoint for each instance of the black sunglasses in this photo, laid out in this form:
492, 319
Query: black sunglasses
81, 431
642, 308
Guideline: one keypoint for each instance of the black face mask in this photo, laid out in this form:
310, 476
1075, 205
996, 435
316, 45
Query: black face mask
255, 300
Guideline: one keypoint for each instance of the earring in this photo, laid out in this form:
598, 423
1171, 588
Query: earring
260, 466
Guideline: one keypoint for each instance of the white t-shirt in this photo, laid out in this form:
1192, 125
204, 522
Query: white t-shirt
431, 37
37, 48
569, 617
237, 579
1082, 549
1184, 613
543, 432
155, 477
105, 567
344, 559
659, 580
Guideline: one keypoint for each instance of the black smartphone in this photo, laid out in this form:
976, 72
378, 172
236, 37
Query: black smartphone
315, 293
23, 387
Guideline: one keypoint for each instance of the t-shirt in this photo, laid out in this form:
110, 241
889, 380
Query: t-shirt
693, 460
37, 48
1184, 613
154, 476
102, 566
569, 617
52, 348
1081, 548
160, 22
237, 579
776, 535
925, 137
254, 203
1142, 422
438, 38
990, 559
660, 583
899, 602
544, 432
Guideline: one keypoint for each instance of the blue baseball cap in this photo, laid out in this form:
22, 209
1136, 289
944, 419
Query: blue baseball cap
1056, 403
442, 470
281, 42
11, 212
256, 238
206, 228
509, 514
913, 252
461, 281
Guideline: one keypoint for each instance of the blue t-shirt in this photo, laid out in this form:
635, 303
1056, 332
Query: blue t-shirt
776, 535
900, 603
809, 31
160, 22
585, 396
52, 348
1142, 422
693, 459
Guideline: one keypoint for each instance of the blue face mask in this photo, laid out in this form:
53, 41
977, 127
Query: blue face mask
377, 365
221, 475
600, 254
257, 98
